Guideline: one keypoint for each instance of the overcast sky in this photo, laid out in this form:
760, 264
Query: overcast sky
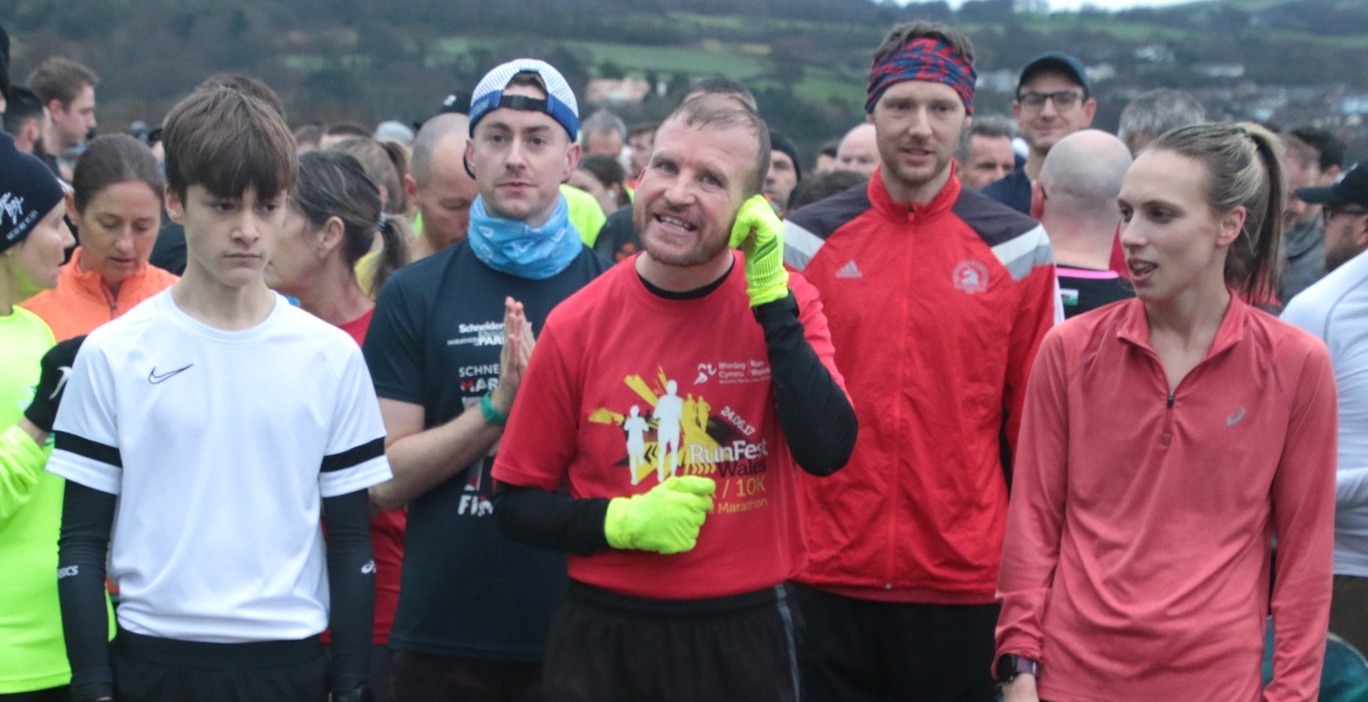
1059, 5
1056, 5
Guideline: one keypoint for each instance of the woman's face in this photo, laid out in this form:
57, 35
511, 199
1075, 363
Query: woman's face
35, 262
297, 262
1173, 240
118, 228
584, 180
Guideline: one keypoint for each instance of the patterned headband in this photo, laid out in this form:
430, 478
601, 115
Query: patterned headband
927, 59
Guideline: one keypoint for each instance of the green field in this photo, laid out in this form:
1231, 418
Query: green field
727, 60
829, 87
709, 57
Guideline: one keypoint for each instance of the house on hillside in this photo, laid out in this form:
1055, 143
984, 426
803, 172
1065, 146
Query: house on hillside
1219, 70
616, 91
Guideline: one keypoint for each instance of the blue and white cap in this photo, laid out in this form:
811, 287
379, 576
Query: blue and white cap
559, 103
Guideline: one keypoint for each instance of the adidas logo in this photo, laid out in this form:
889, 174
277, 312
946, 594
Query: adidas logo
849, 270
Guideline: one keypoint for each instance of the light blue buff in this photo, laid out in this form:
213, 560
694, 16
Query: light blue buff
514, 248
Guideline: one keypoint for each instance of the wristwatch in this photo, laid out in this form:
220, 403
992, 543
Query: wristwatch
1010, 665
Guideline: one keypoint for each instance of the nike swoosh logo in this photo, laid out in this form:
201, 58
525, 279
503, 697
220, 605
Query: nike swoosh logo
153, 378
66, 374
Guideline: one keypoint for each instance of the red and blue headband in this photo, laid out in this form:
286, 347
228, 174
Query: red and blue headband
927, 59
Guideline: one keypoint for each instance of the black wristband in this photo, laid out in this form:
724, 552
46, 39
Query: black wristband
56, 366
91, 691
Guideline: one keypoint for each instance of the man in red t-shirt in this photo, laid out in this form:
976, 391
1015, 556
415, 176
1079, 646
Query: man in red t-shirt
677, 421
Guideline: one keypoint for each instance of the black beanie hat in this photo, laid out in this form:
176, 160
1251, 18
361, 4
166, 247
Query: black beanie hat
779, 142
28, 192
4, 63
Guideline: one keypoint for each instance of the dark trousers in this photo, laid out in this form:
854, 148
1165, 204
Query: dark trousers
51, 694
379, 672
1349, 611
150, 669
607, 647
863, 651
424, 677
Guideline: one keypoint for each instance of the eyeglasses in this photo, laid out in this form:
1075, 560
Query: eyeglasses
1062, 100
1328, 214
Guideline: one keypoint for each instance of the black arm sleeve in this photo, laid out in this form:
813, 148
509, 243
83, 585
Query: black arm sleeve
87, 522
351, 580
817, 417
551, 520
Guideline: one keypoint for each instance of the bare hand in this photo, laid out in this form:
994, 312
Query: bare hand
517, 351
1022, 689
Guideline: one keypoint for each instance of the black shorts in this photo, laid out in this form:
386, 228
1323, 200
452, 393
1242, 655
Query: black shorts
865, 651
431, 677
151, 669
608, 647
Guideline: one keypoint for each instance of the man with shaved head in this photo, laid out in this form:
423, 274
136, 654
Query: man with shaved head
858, 150
438, 183
1075, 199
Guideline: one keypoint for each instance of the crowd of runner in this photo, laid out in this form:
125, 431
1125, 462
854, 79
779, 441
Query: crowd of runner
521, 406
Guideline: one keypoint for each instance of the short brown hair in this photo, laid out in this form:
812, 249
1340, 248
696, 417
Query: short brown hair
922, 29
255, 87
60, 79
718, 110
226, 141
112, 159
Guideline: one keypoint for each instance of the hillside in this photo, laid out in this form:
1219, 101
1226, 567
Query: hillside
374, 59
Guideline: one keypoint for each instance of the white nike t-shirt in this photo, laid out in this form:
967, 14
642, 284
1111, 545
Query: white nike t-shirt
220, 446
1335, 309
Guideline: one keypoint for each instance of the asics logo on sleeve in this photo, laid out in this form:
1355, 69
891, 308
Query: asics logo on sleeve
68, 571
61, 383
155, 378
368, 568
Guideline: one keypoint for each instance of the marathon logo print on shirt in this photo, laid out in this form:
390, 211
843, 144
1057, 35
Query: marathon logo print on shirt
971, 276
732, 372
477, 500
668, 434
477, 496
480, 334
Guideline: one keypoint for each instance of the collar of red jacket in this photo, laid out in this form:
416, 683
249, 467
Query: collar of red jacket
880, 200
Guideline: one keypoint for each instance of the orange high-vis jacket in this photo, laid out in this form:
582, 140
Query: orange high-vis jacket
82, 301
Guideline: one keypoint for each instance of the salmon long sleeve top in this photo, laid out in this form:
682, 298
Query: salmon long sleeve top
1136, 564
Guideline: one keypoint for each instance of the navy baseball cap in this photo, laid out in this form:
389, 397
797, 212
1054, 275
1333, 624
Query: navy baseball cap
1350, 189
1059, 62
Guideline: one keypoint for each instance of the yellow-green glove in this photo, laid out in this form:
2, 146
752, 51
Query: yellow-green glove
665, 520
760, 236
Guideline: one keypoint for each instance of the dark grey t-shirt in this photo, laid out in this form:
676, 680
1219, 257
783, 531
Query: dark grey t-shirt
435, 341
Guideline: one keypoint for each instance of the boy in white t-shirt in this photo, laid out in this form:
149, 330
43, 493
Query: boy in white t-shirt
204, 434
